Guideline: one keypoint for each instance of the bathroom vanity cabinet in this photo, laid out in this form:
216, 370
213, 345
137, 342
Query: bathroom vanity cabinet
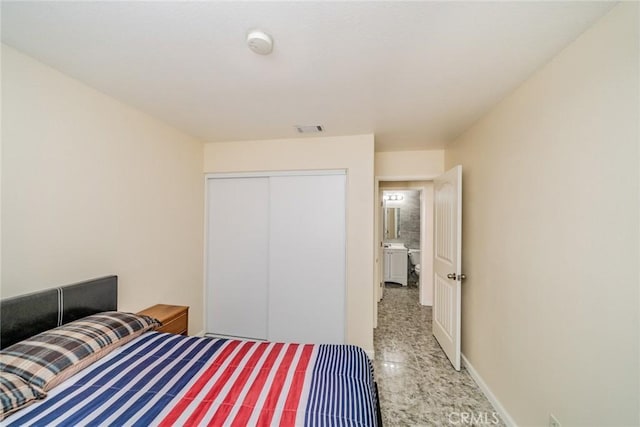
395, 265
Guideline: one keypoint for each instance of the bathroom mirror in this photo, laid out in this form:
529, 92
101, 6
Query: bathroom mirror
392, 223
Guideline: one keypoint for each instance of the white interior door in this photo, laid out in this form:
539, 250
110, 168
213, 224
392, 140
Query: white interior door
447, 262
307, 259
237, 256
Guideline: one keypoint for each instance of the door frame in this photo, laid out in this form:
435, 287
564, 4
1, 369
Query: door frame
426, 237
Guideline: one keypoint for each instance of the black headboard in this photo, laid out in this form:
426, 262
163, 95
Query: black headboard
27, 315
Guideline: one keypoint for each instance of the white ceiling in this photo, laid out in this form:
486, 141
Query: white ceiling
416, 74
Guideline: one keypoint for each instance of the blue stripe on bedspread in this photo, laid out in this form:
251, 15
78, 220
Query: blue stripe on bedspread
342, 374
135, 384
90, 391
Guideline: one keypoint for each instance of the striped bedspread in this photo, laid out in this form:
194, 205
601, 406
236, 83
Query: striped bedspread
170, 380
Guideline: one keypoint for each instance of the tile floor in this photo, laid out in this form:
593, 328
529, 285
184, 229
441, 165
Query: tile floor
417, 384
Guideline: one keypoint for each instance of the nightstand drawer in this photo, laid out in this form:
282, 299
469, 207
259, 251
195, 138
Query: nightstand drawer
174, 318
175, 326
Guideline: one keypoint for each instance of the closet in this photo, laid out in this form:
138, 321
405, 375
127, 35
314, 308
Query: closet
275, 256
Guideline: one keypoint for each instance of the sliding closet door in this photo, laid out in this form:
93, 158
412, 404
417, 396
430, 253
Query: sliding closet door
307, 259
237, 256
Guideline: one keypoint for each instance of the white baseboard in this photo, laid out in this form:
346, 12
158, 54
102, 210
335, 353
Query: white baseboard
488, 393
199, 334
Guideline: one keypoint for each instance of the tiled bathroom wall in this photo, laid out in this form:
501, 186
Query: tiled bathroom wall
409, 217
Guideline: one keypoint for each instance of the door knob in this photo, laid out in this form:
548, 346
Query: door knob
461, 277
451, 276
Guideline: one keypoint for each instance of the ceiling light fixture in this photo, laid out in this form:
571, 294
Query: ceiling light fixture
260, 42
393, 197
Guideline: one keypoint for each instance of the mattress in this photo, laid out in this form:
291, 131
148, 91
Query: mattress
164, 380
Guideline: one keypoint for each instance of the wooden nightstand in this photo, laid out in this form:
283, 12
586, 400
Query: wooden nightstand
174, 318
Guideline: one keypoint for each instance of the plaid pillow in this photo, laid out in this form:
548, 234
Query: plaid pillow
47, 359
15, 393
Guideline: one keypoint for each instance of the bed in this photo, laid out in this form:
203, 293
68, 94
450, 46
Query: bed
133, 375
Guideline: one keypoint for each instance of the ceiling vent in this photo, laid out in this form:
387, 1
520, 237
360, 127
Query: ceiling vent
309, 129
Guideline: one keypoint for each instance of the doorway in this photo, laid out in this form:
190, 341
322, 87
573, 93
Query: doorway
425, 190
401, 213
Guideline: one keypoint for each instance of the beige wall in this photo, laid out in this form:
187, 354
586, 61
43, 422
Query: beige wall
550, 235
409, 165
353, 153
93, 187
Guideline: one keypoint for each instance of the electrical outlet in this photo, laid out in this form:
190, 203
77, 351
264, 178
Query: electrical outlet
553, 421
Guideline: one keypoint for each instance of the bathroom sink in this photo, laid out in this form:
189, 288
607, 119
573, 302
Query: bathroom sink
395, 246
